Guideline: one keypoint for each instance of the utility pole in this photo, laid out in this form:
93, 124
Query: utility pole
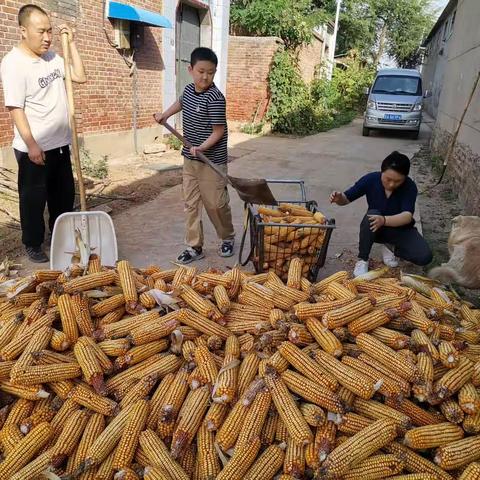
334, 42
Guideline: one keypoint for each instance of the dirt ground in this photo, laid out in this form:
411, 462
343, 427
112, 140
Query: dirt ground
131, 181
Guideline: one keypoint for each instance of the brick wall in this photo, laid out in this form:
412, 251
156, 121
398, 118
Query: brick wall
249, 60
310, 58
104, 103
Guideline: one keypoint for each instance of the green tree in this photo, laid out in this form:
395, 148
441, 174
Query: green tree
291, 20
376, 27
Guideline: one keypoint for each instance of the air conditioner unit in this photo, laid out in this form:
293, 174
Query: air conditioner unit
121, 29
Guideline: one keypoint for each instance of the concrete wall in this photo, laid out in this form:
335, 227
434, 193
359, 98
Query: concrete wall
436, 59
460, 73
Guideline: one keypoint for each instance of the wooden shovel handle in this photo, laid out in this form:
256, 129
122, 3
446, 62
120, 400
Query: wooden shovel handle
73, 126
200, 155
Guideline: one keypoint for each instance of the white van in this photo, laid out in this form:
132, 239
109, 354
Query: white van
394, 102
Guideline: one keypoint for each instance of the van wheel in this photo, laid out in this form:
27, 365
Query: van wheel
365, 131
414, 135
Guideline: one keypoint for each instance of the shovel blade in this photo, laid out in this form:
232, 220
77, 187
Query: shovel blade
103, 240
253, 190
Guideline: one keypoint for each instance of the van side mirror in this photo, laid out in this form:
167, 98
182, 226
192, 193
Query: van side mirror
427, 94
366, 90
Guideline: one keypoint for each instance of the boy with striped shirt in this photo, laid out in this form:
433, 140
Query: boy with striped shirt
205, 126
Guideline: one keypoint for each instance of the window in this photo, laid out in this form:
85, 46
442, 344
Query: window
452, 22
397, 85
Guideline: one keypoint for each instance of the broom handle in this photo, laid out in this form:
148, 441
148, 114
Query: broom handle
73, 126
200, 155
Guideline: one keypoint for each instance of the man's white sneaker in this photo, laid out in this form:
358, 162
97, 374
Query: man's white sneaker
389, 258
361, 268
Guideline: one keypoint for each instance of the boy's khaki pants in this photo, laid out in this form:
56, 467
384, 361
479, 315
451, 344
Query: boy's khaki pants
204, 187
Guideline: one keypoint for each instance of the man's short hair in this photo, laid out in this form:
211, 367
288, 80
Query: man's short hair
397, 161
203, 54
25, 12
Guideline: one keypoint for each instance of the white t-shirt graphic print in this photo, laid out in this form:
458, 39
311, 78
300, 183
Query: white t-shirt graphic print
37, 86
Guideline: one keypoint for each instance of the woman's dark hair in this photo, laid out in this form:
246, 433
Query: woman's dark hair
203, 54
397, 161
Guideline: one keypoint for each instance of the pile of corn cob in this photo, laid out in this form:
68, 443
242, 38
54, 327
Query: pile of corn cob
174, 374
297, 234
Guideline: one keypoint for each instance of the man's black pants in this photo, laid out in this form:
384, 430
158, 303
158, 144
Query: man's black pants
407, 242
51, 184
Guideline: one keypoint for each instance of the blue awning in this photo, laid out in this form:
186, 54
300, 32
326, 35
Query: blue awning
135, 14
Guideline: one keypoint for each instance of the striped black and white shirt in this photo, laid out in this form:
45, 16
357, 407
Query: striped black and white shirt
200, 112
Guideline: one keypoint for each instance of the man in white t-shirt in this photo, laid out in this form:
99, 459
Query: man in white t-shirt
34, 91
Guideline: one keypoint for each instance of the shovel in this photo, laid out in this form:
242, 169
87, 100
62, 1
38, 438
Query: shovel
78, 234
250, 190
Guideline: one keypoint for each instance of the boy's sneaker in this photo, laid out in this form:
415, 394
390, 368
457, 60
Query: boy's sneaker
389, 258
190, 254
36, 254
226, 248
361, 268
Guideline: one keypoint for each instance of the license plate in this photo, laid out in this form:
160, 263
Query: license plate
392, 118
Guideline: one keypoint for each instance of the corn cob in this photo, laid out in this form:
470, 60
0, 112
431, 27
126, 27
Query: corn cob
215, 416
472, 472
9, 329
368, 322
324, 337
85, 396
458, 454
269, 428
61, 389
294, 462
454, 379
81, 311
241, 460
89, 363
417, 415
281, 433
391, 338
112, 317
126, 474
166, 275
313, 414
307, 366
356, 382
325, 440
296, 425
200, 304
93, 428
157, 399
267, 464
105, 443
339, 291
294, 277
154, 330
376, 411
388, 386
139, 391
359, 447
471, 423
202, 324
89, 282
221, 298
351, 423
423, 343
431, 436
391, 359
376, 467
189, 420
105, 470
159, 364
228, 433
299, 335
305, 310
122, 328
312, 392
469, 399
344, 315
449, 356
115, 348
59, 341
67, 316
35, 468
138, 354
108, 306
10, 435
226, 382
415, 463
451, 411
336, 277
418, 318
207, 455
33, 392
26, 449
125, 450
67, 441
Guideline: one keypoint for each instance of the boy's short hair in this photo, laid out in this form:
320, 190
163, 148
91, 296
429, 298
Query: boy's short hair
25, 12
203, 54
397, 161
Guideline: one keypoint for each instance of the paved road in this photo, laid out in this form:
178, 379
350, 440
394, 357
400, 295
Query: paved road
153, 232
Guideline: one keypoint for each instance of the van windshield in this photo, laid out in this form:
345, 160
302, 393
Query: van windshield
397, 85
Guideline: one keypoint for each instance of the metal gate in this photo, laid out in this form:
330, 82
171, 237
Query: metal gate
187, 39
